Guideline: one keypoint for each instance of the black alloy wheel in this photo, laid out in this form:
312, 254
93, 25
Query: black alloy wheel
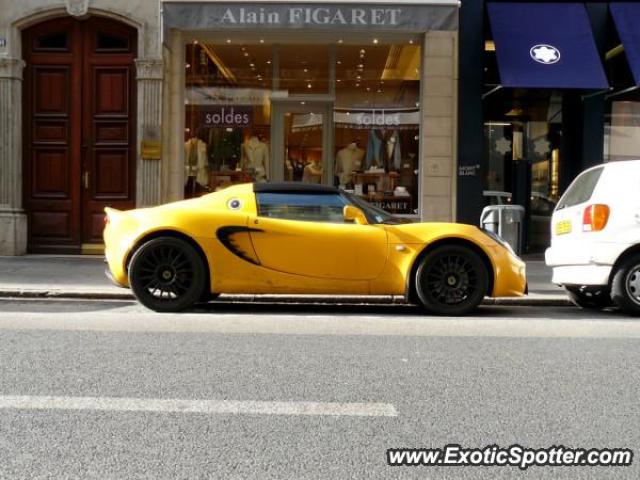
167, 275
625, 287
589, 298
452, 280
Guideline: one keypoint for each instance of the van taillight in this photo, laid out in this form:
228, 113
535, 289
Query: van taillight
595, 218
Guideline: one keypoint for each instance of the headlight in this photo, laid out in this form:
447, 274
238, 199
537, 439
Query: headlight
496, 238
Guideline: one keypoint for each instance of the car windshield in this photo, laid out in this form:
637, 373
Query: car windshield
374, 214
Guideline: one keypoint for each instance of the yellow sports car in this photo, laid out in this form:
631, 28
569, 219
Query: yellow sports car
296, 238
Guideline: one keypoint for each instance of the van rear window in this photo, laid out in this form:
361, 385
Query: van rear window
581, 189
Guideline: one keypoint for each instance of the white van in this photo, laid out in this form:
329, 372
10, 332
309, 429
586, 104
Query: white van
595, 238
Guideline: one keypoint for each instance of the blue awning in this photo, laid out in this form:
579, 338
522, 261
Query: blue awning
545, 45
627, 19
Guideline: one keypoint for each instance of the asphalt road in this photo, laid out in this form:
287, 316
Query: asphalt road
109, 390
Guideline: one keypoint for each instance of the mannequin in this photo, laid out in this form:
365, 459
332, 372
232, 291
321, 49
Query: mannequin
255, 157
383, 150
348, 160
313, 172
195, 154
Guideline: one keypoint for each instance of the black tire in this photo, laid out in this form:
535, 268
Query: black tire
589, 298
451, 280
625, 287
166, 274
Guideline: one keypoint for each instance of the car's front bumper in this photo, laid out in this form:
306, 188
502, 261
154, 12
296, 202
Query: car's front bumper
510, 279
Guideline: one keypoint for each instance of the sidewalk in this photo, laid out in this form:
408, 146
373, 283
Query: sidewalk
82, 276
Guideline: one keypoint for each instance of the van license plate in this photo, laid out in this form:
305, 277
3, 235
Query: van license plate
563, 227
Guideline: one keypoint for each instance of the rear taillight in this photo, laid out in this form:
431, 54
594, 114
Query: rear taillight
595, 218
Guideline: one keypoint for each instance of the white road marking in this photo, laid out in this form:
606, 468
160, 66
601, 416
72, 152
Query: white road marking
211, 407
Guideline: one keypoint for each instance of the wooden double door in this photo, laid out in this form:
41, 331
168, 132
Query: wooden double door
79, 130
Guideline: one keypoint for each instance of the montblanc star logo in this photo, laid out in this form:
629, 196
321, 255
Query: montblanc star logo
545, 54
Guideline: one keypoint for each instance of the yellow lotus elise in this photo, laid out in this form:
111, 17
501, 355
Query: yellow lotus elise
296, 238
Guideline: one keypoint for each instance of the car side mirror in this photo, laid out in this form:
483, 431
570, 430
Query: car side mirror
354, 214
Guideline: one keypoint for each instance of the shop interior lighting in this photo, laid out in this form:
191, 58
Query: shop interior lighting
403, 63
217, 61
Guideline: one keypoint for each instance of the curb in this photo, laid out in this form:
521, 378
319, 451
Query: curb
527, 301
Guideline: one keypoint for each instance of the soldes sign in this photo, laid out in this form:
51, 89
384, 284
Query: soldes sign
226, 116
377, 118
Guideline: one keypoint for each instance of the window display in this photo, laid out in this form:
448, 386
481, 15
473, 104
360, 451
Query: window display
256, 112
377, 123
227, 115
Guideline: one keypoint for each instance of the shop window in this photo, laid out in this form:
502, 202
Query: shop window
228, 111
622, 129
523, 145
52, 42
377, 123
353, 124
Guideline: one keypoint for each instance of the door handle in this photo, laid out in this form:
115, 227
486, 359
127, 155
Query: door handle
85, 179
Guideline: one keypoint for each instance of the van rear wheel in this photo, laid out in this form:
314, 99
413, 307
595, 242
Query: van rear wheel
625, 288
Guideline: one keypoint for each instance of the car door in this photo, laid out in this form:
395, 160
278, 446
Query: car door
305, 234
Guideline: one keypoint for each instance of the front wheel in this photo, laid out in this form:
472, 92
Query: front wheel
451, 280
167, 275
625, 287
589, 298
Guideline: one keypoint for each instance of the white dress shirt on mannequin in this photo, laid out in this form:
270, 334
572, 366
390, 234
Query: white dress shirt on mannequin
312, 173
195, 154
255, 156
348, 160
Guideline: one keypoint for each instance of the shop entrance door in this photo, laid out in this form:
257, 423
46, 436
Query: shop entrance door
79, 124
302, 141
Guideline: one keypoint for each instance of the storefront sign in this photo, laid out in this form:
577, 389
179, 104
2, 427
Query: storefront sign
468, 170
226, 116
391, 16
378, 118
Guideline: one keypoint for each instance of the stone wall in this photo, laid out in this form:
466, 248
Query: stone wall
439, 127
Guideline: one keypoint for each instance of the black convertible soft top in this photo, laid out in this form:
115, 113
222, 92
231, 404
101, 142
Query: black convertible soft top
293, 187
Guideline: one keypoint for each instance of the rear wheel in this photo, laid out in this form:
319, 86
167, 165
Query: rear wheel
451, 280
625, 288
167, 275
589, 298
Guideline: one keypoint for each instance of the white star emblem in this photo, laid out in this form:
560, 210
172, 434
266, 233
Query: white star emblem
545, 54
503, 146
541, 146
